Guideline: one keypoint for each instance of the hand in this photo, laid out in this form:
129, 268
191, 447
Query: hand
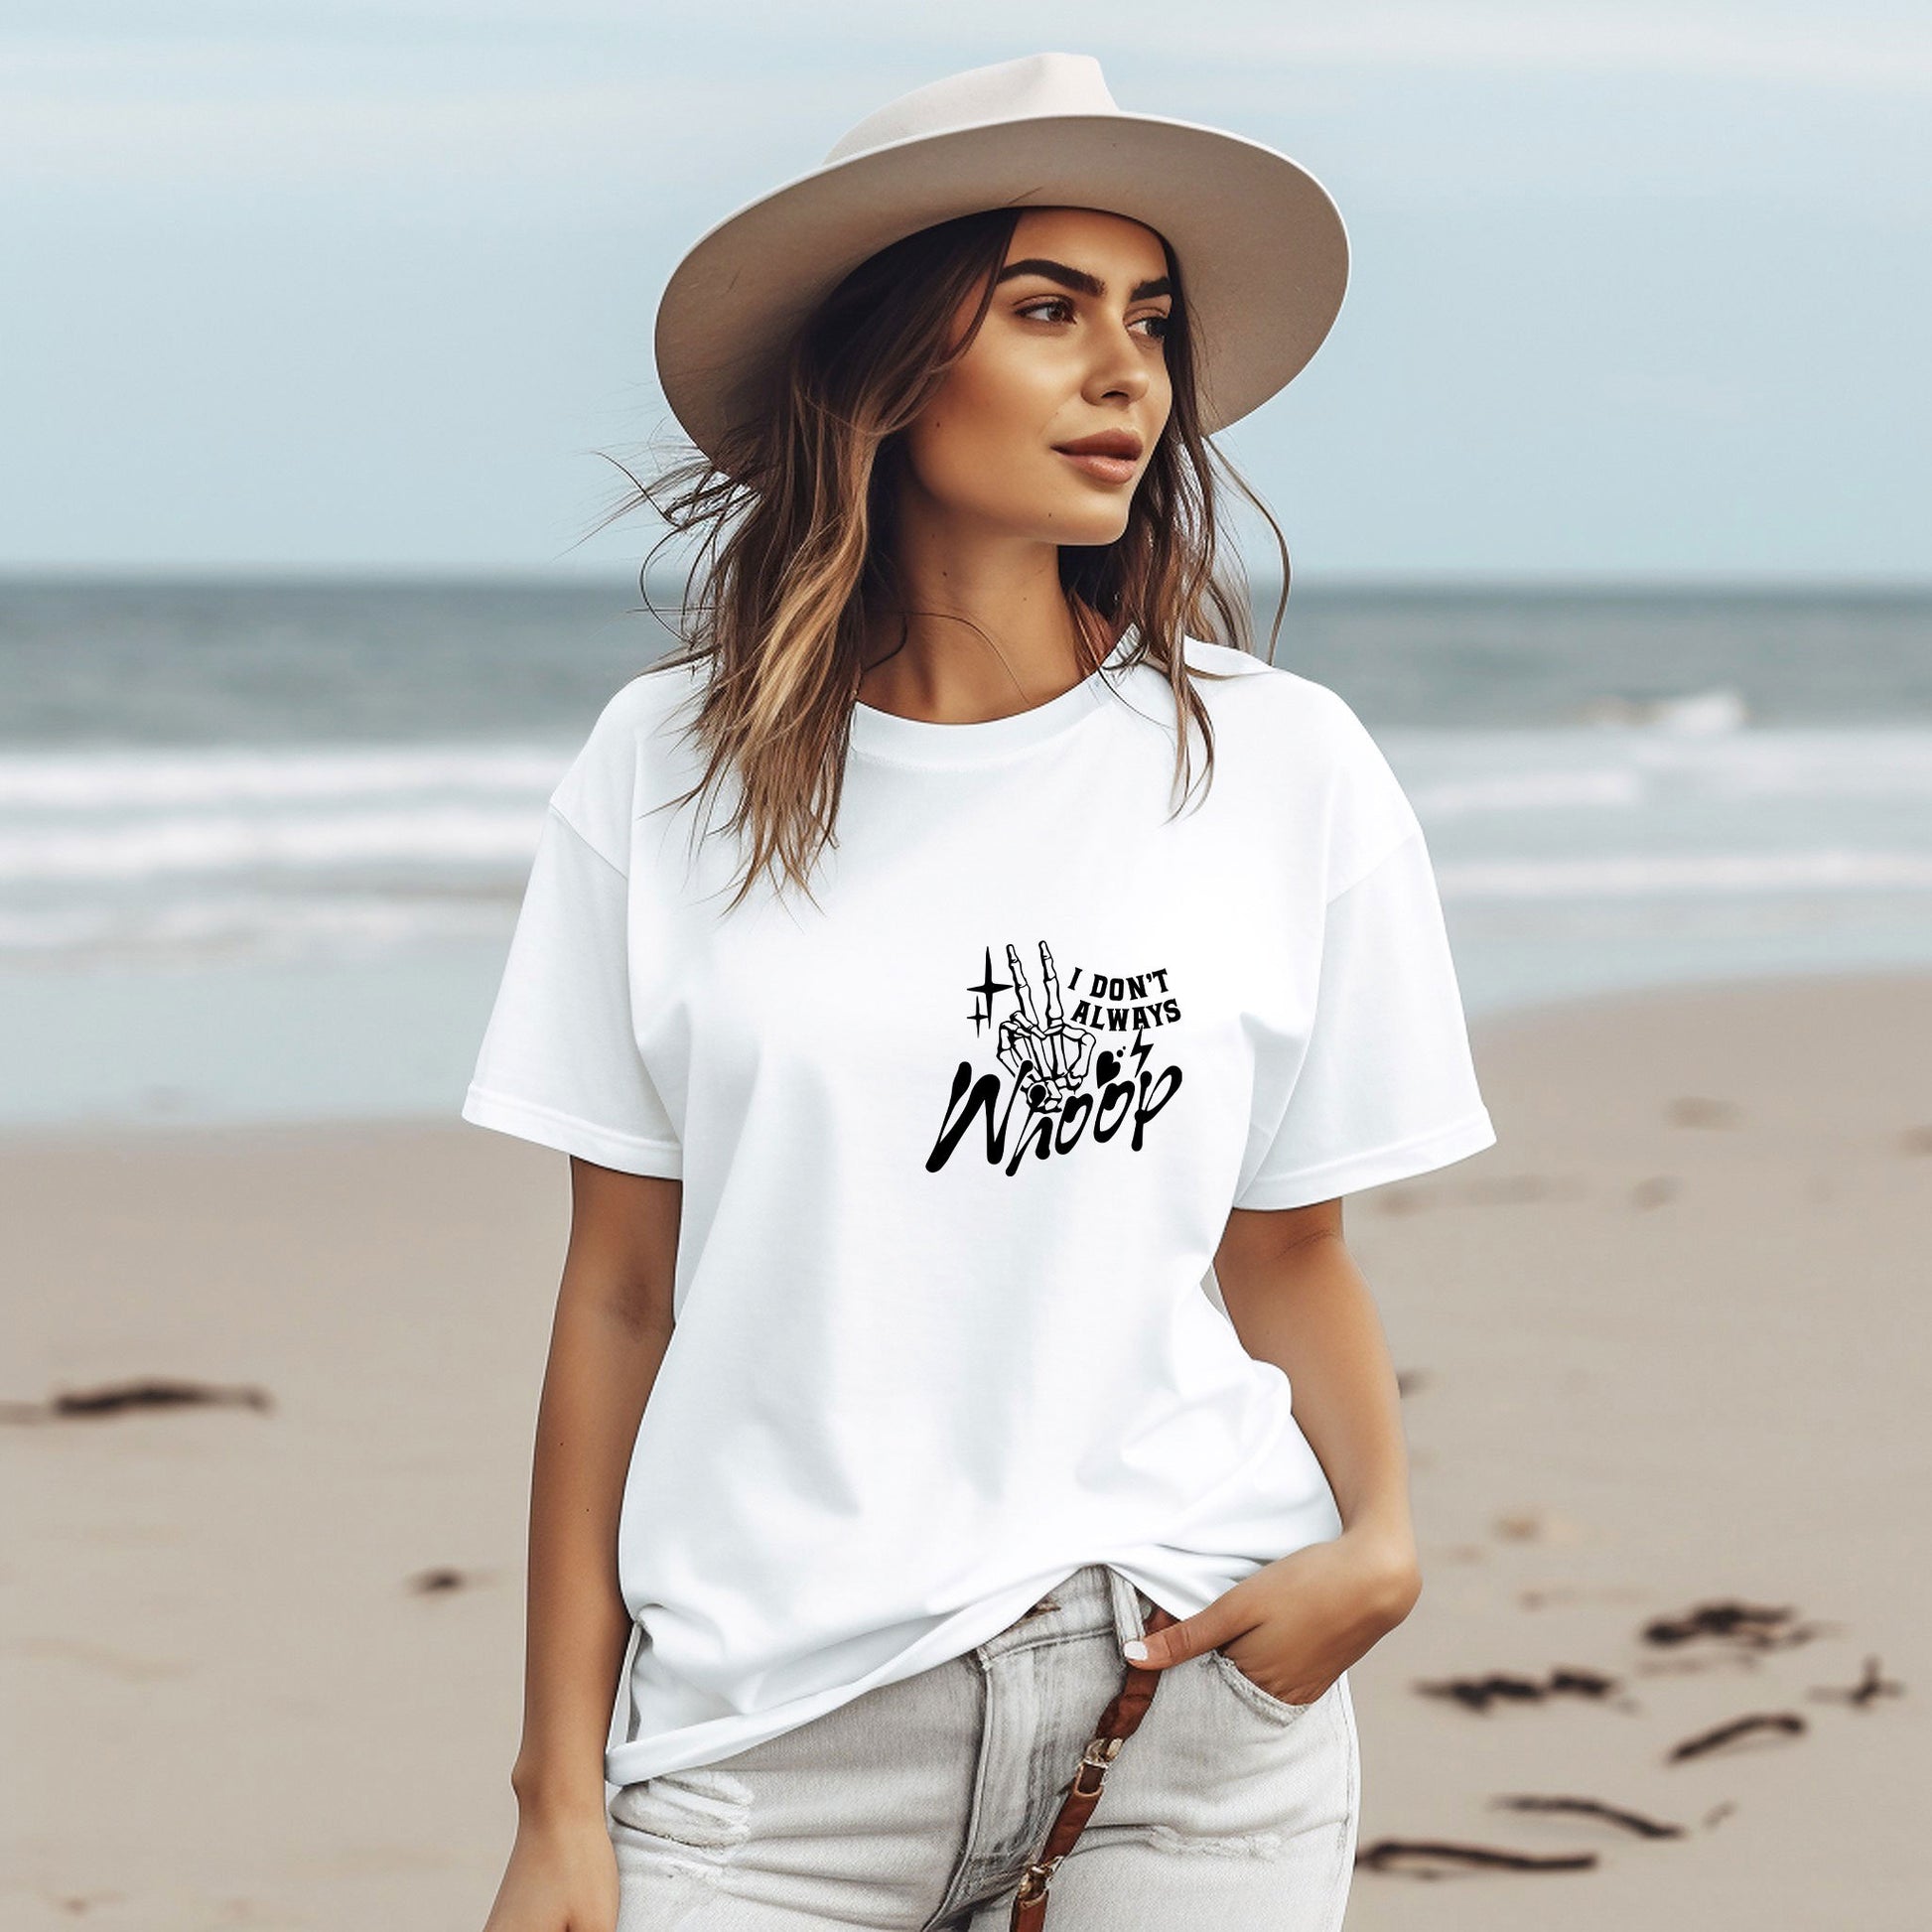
1040, 1047
562, 1877
1295, 1624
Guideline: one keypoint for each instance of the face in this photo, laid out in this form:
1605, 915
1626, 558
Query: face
1070, 349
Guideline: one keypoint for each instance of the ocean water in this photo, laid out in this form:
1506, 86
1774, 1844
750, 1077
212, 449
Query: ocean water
261, 844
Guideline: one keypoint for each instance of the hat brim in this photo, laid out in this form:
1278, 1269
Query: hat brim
1259, 242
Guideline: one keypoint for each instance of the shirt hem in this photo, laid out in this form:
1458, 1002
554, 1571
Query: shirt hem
690, 1746
1421, 1153
605, 1147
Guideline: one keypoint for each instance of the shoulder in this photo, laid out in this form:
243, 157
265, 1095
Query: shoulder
1292, 708
1319, 762
630, 756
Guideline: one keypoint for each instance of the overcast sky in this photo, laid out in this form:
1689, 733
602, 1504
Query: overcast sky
1638, 290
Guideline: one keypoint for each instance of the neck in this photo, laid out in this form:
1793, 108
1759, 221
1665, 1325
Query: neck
987, 631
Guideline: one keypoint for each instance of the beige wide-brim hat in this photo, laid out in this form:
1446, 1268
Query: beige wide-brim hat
1263, 253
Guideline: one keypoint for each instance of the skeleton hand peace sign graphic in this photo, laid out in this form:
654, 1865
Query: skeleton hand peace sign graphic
1056, 1052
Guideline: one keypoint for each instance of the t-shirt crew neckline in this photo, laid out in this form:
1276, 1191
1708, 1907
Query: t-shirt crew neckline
920, 741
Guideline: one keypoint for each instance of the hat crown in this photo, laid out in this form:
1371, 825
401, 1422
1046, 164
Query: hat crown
1009, 90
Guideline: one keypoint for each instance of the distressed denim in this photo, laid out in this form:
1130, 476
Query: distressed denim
914, 1806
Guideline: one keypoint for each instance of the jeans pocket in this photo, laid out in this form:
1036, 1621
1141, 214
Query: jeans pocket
1278, 1710
703, 1811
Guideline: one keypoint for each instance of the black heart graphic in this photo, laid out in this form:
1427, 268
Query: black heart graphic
1105, 1066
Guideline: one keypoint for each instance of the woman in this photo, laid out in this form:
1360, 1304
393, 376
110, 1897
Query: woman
888, 1405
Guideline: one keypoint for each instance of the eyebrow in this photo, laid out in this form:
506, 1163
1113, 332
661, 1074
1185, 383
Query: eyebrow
1079, 278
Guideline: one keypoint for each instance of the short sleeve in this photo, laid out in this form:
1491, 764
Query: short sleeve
559, 1063
1387, 1087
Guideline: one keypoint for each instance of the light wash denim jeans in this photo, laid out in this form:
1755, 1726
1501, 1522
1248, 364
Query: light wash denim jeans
914, 1806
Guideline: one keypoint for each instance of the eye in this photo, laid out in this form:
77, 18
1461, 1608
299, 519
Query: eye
1045, 302
1064, 303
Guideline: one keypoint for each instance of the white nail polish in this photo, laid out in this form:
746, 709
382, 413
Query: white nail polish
1134, 1652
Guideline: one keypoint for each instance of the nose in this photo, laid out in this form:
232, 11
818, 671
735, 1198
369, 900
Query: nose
1120, 366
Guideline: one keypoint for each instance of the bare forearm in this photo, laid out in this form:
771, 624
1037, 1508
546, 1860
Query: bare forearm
599, 1377
1308, 1309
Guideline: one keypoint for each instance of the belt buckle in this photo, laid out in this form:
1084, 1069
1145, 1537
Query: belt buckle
1033, 1879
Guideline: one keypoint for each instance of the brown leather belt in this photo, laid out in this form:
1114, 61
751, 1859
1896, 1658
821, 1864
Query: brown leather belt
1117, 1725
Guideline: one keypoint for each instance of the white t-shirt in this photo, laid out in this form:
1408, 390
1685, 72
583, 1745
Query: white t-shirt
957, 1147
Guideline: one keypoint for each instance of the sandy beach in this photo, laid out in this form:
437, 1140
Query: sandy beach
1663, 1351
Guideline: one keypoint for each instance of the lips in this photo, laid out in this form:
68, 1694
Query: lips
1109, 456
1106, 442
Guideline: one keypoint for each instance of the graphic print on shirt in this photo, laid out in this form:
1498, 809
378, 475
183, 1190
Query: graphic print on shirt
1068, 1073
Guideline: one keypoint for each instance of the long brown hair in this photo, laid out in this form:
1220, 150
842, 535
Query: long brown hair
797, 557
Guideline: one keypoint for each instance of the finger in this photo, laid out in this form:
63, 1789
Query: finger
1081, 1046
1188, 1637
1019, 1048
1053, 982
1022, 986
1054, 1041
1012, 1051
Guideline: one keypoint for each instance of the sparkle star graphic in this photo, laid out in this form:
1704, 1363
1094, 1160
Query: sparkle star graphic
983, 992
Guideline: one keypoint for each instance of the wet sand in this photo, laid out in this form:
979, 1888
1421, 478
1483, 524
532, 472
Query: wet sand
1663, 1349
